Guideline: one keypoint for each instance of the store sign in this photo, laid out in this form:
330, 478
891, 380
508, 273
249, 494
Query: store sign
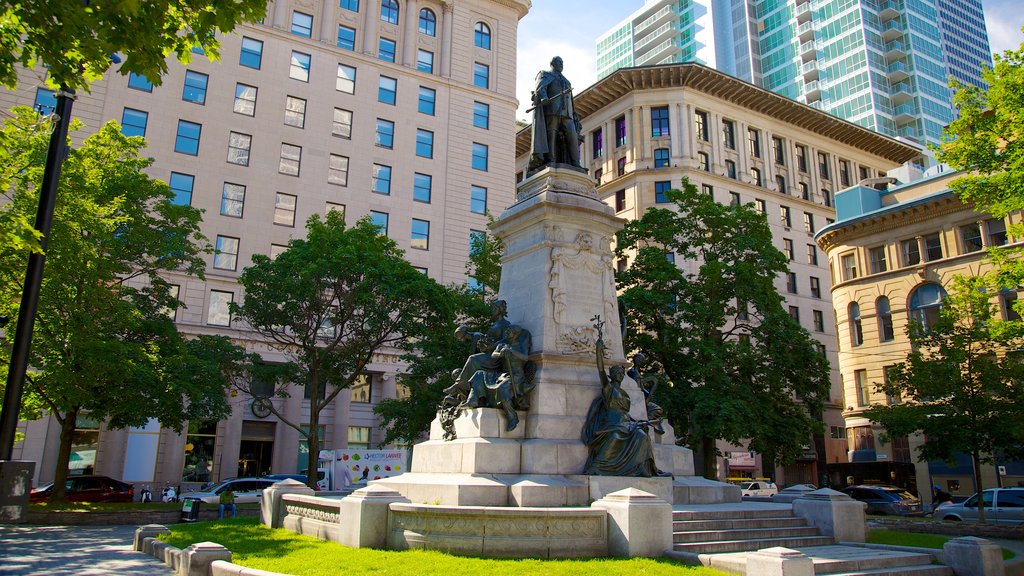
741, 459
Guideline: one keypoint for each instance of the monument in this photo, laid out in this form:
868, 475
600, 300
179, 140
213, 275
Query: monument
533, 445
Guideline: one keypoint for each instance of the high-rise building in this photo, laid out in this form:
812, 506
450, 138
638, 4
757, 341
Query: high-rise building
403, 113
882, 64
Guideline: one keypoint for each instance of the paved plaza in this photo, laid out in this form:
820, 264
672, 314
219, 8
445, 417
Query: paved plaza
79, 550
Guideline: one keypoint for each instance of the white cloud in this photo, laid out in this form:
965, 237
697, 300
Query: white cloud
1004, 20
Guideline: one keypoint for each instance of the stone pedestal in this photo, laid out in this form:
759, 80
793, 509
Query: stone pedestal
639, 523
779, 562
272, 511
834, 513
365, 517
196, 559
15, 485
970, 556
147, 531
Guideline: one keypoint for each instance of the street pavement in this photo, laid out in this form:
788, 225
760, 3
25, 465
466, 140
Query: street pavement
79, 550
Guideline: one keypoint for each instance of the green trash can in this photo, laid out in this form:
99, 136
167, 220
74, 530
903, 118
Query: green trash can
190, 509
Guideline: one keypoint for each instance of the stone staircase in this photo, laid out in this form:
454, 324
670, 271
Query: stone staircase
721, 537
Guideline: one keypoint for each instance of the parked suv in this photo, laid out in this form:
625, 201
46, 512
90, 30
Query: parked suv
886, 500
1002, 506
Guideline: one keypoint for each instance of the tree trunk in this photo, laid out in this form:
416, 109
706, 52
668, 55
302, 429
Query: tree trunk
976, 462
313, 434
60, 475
710, 455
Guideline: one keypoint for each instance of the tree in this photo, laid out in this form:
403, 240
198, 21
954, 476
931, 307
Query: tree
484, 263
328, 303
104, 344
960, 386
76, 39
741, 369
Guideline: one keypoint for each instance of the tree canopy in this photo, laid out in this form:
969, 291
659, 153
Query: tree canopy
76, 39
717, 327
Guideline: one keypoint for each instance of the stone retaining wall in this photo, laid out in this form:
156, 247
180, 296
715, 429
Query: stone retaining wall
125, 517
950, 528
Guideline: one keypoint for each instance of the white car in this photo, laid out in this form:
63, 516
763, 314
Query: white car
759, 488
247, 491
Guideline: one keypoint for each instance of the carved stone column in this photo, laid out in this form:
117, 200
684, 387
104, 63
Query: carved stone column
446, 39
412, 16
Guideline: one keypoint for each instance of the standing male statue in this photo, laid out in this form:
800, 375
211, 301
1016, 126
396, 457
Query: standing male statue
556, 127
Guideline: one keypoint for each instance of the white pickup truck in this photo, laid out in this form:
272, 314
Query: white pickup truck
759, 488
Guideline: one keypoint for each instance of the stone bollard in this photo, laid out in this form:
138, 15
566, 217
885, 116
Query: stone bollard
196, 559
970, 556
147, 531
834, 513
272, 512
779, 561
364, 516
639, 523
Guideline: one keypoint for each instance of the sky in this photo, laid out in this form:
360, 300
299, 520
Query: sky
569, 28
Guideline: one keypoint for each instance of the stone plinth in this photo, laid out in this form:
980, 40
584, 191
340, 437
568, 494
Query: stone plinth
365, 514
639, 523
779, 562
970, 556
834, 513
272, 511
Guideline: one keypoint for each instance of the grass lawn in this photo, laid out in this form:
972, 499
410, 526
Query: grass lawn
917, 539
256, 546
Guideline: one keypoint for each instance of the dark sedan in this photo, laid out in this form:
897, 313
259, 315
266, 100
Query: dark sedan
88, 489
886, 500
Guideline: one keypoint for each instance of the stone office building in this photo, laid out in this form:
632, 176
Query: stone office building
399, 111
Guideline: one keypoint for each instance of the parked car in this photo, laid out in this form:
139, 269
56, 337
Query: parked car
886, 500
88, 489
760, 488
1002, 506
790, 493
298, 477
247, 491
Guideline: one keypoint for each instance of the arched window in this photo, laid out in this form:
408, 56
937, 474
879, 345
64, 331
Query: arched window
482, 36
925, 304
882, 308
428, 22
661, 157
856, 329
389, 11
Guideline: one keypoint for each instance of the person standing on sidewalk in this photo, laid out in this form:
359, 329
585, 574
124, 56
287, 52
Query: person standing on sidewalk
227, 500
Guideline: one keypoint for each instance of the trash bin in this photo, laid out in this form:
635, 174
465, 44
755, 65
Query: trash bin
190, 509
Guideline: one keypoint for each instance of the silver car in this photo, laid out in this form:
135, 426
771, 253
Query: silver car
1002, 506
247, 490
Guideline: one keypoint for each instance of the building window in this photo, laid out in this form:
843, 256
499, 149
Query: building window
762, 207
421, 187
819, 321
801, 157
826, 197
597, 146
754, 142
860, 381
346, 81
187, 139
844, 173
1007, 301
251, 55
424, 143
779, 150
911, 252
291, 159
342, 125
708, 190
865, 173
787, 248
659, 191
299, 67
232, 200
970, 234
812, 254
620, 167
996, 228
734, 199
195, 87
389, 11
133, 122
226, 255
200, 446
478, 199
284, 209
482, 36
808, 222
140, 82
352, 5
481, 75
620, 200
181, 185
420, 235
362, 393
425, 61
479, 156
794, 313
337, 173
784, 216
387, 89
856, 328
659, 122
791, 282
294, 112
276, 250
730, 169
219, 311
925, 305
302, 24
704, 161
700, 125
876, 256
380, 220
245, 99
729, 134
780, 184
385, 134
359, 437
335, 207
932, 247
823, 170
815, 287
381, 180
849, 266
755, 175
346, 38
884, 312
428, 22
426, 100
620, 131
481, 115
386, 49
661, 157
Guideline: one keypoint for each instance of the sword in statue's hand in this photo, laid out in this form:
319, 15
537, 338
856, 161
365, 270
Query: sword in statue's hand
549, 100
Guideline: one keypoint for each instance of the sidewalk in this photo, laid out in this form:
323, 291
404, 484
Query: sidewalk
79, 550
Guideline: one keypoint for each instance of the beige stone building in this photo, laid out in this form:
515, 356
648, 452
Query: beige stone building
647, 127
891, 254
402, 111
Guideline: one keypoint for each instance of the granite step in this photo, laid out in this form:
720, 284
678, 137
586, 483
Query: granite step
680, 515
744, 534
836, 560
925, 570
737, 523
750, 545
